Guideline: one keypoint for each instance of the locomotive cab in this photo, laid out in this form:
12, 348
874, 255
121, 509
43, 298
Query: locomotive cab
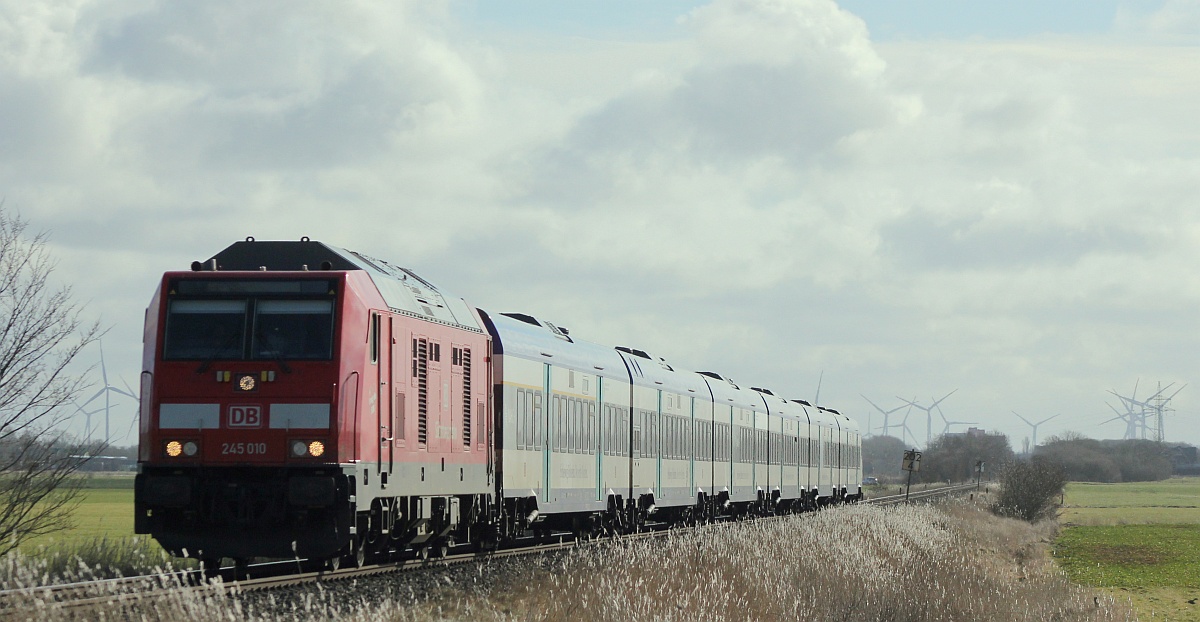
239, 430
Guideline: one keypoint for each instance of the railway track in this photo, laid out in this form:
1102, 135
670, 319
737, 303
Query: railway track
282, 574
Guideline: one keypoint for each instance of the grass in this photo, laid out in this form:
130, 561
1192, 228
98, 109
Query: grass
1140, 541
1132, 556
97, 542
1176, 500
104, 511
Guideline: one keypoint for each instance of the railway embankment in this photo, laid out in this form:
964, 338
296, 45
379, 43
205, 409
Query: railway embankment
953, 561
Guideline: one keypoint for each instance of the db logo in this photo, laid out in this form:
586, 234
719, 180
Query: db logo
245, 416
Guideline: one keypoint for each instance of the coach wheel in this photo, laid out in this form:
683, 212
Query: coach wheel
333, 563
444, 547
360, 555
423, 553
241, 569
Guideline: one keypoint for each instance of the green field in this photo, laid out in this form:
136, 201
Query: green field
105, 510
1139, 540
1176, 500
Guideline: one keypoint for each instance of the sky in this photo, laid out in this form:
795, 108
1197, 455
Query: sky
888, 200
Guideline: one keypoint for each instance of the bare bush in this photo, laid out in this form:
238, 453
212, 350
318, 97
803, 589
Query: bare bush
40, 334
1030, 490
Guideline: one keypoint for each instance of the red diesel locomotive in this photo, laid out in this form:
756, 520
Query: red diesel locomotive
304, 400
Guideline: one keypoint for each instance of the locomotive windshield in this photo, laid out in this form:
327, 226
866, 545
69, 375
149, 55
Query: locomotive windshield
249, 320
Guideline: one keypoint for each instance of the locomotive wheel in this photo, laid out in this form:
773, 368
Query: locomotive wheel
333, 563
360, 555
211, 567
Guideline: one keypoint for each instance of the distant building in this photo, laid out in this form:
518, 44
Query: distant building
973, 433
1184, 460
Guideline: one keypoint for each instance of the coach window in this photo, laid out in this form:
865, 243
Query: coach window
665, 428
538, 421
654, 441
677, 437
532, 425
591, 419
605, 430
669, 437
610, 427
624, 432
577, 425
577, 411
519, 411
637, 434
570, 441
556, 417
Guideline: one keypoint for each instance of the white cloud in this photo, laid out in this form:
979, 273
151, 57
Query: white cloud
1174, 22
770, 195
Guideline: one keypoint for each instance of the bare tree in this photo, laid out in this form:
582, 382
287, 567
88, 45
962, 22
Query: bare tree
1030, 490
40, 334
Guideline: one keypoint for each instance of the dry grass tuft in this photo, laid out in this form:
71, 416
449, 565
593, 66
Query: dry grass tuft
956, 562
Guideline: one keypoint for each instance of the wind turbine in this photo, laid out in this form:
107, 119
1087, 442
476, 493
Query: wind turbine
1129, 417
905, 431
107, 390
946, 430
1033, 425
1138, 412
928, 413
87, 414
886, 413
817, 399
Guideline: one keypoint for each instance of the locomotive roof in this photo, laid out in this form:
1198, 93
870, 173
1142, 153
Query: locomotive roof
402, 289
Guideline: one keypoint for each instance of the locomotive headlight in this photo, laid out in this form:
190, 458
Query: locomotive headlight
190, 448
307, 449
174, 449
